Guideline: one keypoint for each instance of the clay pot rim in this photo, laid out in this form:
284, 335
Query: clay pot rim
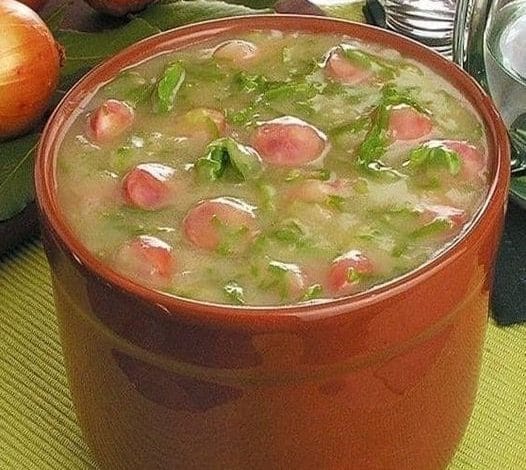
264, 317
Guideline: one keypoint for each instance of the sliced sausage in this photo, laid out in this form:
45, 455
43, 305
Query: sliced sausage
109, 121
236, 51
147, 187
147, 258
473, 161
289, 142
339, 69
406, 123
345, 271
214, 221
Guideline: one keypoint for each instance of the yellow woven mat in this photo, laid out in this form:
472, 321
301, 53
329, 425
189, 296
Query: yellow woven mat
37, 424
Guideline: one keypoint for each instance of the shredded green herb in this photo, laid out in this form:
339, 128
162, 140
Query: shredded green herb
234, 292
432, 155
167, 87
315, 291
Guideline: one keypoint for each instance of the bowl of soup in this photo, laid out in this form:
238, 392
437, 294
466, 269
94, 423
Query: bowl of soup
271, 242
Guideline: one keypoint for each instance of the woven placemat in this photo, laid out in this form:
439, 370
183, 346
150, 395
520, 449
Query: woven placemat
37, 423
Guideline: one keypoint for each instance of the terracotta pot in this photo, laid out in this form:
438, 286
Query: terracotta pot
380, 380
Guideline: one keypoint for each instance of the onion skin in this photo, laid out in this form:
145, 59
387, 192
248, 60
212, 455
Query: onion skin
118, 7
34, 4
29, 68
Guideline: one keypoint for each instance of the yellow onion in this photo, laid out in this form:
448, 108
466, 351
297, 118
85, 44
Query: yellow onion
29, 68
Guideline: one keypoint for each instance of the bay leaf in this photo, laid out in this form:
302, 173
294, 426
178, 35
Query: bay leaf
257, 4
56, 17
16, 174
85, 50
169, 14
347, 10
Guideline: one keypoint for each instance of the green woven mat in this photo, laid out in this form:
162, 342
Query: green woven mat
37, 424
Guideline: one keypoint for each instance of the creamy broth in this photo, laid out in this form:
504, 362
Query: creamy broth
272, 168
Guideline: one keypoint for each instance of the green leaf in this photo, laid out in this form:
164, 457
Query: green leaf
358, 56
361, 186
204, 71
518, 187
353, 276
291, 91
268, 195
234, 292
212, 165
400, 249
336, 202
291, 233
393, 96
258, 4
227, 152
249, 83
348, 10
435, 155
165, 15
16, 174
232, 238
298, 174
357, 125
517, 132
119, 159
129, 86
376, 140
278, 267
167, 88
84, 50
56, 17
315, 291
375, 143
244, 159
368, 61
433, 228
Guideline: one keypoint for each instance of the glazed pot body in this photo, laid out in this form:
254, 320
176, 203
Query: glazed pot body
381, 380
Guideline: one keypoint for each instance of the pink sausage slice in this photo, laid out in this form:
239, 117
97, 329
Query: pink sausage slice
208, 223
148, 258
110, 120
288, 142
339, 69
146, 186
406, 123
473, 161
340, 278
236, 51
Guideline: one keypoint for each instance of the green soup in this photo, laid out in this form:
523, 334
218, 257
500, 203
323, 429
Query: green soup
272, 168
